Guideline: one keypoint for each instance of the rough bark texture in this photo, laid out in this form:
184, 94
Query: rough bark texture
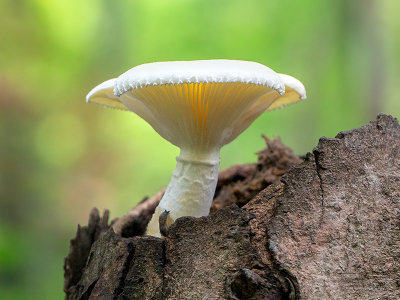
328, 229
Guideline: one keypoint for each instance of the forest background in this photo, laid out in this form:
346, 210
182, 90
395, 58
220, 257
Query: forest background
59, 157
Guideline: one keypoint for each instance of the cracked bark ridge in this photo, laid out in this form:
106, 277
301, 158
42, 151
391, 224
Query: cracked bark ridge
329, 230
336, 226
75, 262
122, 268
213, 258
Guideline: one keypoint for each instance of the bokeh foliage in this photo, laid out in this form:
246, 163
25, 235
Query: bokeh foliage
60, 157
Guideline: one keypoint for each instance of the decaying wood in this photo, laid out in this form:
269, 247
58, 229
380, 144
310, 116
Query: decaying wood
327, 229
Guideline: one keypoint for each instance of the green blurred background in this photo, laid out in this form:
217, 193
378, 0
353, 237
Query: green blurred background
60, 157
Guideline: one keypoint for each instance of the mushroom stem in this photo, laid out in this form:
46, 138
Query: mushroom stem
191, 189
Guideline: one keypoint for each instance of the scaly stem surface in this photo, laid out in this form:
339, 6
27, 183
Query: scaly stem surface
191, 189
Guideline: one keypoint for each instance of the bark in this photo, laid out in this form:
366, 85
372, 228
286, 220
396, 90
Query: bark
327, 229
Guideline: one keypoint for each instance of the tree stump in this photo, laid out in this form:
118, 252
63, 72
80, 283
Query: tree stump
325, 226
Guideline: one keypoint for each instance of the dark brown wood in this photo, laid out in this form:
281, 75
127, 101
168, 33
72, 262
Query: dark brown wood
327, 229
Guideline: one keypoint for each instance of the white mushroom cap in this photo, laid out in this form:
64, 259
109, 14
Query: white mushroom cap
199, 105
294, 91
198, 71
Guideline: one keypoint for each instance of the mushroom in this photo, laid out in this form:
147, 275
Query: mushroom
198, 106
